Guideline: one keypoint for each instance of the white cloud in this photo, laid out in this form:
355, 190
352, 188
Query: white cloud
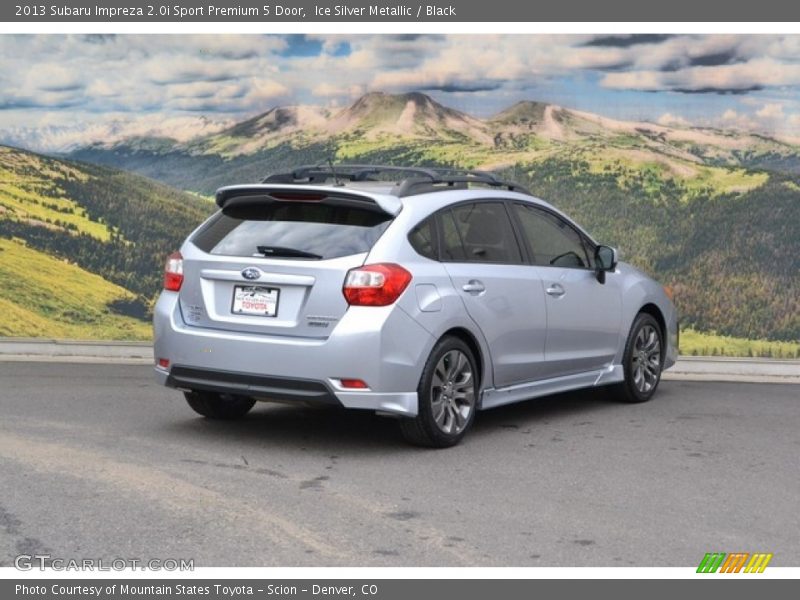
53, 134
88, 78
332, 90
736, 120
769, 118
670, 120
754, 74
263, 92
773, 110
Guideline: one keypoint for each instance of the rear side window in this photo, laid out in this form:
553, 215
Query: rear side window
485, 232
423, 239
292, 230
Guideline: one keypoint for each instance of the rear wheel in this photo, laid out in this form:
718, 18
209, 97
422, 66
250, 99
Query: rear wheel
219, 406
447, 392
642, 361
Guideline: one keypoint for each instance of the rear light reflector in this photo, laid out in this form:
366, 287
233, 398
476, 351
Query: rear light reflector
173, 272
163, 363
375, 285
354, 383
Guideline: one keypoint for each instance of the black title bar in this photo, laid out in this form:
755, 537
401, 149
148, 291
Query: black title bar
320, 11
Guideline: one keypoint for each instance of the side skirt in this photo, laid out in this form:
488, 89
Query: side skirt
526, 391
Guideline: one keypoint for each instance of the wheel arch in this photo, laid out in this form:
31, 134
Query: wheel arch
469, 339
655, 312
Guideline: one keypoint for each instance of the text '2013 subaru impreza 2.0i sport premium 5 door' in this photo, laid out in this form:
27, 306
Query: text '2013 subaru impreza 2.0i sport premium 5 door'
420, 293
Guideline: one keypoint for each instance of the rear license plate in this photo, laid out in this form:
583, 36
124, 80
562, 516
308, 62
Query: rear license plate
255, 300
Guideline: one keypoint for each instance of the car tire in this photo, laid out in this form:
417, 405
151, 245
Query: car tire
642, 361
219, 406
447, 397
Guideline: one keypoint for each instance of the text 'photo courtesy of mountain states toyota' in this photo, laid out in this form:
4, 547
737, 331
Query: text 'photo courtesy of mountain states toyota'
423, 294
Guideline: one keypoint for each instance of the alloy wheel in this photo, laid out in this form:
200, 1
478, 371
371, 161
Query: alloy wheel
452, 392
646, 359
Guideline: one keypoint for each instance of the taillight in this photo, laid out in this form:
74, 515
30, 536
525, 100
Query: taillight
375, 285
358, 384
173, 272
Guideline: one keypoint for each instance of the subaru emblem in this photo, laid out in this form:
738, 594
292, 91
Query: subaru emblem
251, 273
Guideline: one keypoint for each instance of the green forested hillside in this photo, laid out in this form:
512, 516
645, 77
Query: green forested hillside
203, 173
82, 247
715, 214
733, 259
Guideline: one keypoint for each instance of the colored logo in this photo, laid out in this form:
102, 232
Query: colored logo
736, 562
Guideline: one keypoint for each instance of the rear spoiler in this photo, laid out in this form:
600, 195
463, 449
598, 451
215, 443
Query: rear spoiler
252, 195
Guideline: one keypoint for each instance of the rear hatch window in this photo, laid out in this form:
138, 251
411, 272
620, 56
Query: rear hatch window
296, 251
293, 230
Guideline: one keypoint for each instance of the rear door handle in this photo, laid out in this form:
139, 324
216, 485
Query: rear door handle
556, 290
473, 286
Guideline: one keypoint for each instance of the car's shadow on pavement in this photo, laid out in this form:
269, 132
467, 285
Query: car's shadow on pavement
307, 428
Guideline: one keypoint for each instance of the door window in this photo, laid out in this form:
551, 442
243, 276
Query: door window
479, 232
553, 241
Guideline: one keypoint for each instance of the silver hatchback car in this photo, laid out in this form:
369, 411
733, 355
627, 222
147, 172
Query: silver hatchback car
419, 293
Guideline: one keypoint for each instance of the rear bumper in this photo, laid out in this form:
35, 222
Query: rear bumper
227, 382
382, 346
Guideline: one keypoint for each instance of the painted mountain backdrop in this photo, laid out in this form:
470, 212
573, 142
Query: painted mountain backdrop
82, 246
715, 213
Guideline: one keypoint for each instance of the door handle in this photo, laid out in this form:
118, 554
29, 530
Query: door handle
556, 290
473, 286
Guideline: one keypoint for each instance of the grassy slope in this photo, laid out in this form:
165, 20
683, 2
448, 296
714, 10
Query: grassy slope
42, 296
29, 192
82, 246
695, 343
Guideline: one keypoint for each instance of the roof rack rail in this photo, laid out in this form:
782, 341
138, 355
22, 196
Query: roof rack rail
418, 180
323, 172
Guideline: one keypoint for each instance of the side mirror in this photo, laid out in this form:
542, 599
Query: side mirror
605, 259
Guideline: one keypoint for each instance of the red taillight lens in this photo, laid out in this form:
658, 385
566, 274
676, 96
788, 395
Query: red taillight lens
163, 363
173, 272
358, 384
375, 285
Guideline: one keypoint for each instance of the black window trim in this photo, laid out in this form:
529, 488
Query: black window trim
585, 240
591, 249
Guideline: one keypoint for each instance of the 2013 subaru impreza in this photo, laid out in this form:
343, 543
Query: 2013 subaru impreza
420, 293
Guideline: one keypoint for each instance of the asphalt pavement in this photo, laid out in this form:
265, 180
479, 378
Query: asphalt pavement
97, 461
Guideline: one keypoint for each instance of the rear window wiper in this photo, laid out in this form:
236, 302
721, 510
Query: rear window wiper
287, 252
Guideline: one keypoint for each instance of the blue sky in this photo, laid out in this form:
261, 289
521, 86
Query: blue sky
58, 91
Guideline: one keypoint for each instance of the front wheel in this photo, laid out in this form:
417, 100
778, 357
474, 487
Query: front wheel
219, 406
447, 393
642, 361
